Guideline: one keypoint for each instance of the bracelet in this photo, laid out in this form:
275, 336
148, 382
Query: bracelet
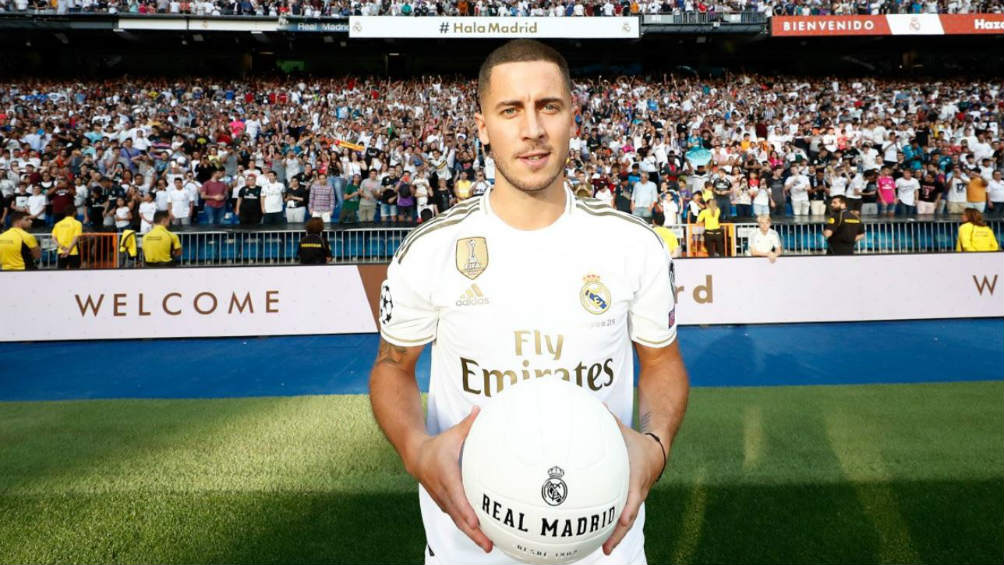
664, 458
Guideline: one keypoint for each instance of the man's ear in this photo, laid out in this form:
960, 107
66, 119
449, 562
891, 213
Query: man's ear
479, 119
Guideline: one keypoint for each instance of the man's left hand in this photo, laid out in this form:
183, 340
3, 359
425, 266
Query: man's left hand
646, 463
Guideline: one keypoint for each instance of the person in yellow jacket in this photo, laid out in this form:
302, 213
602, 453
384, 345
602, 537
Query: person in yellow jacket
714, 238
667, 235
975, 234
18, 249
160, 246
67, 234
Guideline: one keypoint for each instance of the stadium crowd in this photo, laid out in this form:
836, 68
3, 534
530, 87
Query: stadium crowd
354, 149
344, 8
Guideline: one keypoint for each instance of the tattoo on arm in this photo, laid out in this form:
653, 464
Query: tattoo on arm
644, 422
390, 353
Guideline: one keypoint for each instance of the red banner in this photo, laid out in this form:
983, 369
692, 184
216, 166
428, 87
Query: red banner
972, 24
822, 26
892, 24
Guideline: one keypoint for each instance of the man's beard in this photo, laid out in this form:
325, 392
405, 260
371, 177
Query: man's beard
500, 167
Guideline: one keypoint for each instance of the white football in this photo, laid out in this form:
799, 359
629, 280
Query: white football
546, 469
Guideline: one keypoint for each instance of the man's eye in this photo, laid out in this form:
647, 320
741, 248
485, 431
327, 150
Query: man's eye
509, 112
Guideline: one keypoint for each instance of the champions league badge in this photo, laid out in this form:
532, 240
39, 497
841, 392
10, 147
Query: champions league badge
595, 296
554, 491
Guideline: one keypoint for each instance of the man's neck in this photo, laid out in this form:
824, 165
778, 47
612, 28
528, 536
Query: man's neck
528, 210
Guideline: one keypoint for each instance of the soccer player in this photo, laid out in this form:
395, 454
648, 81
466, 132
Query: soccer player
526, 279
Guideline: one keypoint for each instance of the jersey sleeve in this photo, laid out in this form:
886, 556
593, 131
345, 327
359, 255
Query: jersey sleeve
652, 314
407, 315
30, 241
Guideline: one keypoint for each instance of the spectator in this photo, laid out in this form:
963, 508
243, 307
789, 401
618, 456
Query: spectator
975, 234
405, 200
929, 194
643, 197
147, 209
249, 208
37, 203
321, 203
19, 249
887, 193
797, 185
214, 194
350, 205
271, 200
314, 248
161, 248
778, 194
976, 190
181, 204
296, 202
122, 214
368, 197
906, 193
995, 195
765, 242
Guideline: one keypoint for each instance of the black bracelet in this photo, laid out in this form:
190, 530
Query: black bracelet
664, 458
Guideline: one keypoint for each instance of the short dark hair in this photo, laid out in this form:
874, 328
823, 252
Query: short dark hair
520, 51
658, 218
16, 216
838, 198
315, 225
159, 216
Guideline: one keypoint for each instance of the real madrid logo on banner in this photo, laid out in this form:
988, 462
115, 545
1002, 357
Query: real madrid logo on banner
595, 296
472, 256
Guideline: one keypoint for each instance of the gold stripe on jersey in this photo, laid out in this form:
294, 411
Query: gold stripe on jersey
447, 220
410, 341
605, 210
424, 227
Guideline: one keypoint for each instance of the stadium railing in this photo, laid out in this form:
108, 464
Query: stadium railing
378, 244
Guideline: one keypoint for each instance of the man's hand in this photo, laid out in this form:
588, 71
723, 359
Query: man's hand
647, 462
437, 466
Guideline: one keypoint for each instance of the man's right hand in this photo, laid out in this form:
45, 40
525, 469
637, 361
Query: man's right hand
436, 464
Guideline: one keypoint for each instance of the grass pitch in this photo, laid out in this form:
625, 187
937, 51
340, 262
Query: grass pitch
885, 474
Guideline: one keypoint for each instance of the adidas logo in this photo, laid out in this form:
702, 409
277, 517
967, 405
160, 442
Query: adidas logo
472, 297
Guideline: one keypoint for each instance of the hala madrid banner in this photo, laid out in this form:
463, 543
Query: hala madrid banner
891, 24
493, 27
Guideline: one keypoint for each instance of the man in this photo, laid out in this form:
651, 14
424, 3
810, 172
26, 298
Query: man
214, 193
528, 222
271, 200
67, 233
843, 228
765, 242
906, 193
248, 206
778, 195
160, 246
181, 204
643, 197
18, 249
797, 186
368, 197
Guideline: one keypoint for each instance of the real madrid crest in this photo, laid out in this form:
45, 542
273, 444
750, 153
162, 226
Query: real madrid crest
472, 256
554, 490
595, 296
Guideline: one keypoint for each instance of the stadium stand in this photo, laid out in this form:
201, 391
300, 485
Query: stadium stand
342, 8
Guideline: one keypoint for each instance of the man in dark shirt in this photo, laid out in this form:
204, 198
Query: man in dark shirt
843, 228
314, 248
248, 204
777, 193
61, 198
96, 204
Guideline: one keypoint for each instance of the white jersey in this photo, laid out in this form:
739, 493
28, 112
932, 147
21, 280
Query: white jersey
553, 303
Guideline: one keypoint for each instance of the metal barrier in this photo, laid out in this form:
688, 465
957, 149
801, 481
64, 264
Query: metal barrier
378, 244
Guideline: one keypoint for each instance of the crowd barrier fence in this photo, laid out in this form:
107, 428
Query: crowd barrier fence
378, 244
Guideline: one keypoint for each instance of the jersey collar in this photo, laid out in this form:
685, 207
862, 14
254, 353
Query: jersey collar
486, 206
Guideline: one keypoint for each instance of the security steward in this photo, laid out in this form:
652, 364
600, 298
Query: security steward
843, 228
314, 248
160, 246
67, 234
714, 238
19, 249
975, 234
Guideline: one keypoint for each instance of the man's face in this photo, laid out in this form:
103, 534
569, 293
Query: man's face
527, 117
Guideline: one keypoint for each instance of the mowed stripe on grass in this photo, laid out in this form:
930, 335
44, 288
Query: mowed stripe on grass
905, 473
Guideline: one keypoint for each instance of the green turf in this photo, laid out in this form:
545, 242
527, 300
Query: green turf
891, 474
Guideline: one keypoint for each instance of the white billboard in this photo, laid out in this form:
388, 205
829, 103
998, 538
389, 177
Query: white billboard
410, 27
287, 300
211, 302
